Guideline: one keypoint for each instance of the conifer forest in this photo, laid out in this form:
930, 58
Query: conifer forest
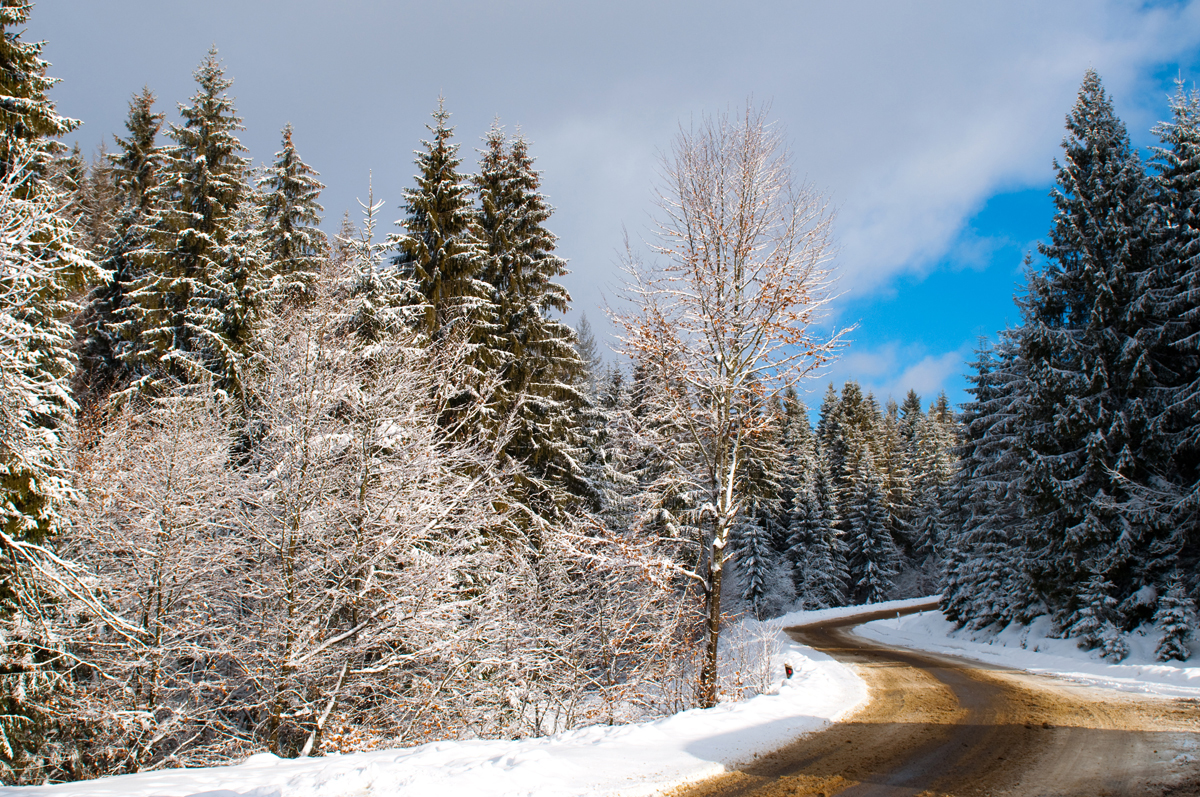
264, 487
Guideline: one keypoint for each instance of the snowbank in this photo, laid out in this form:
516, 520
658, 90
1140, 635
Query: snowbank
623, 760
1029, 648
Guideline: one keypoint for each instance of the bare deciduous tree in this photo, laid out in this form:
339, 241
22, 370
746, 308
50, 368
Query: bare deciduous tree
725, 319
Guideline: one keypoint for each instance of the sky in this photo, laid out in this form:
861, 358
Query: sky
930, 126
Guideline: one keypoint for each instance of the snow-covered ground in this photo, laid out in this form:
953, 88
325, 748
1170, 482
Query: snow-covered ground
603, 760
646, 758
1029, 648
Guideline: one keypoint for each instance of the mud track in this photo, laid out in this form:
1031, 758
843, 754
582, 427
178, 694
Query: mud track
938, 725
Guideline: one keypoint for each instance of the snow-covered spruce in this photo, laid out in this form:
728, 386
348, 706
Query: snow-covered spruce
200, 289
293, 245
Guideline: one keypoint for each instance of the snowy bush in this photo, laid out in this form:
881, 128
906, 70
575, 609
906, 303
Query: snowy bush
750, 652
1112, 644
1175, 619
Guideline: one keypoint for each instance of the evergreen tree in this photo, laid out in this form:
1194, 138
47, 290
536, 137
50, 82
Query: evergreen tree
438, 250
106, 329
1094, 624
378, 301
933, 463
986, 560
898, 488
293, 244
538, 400
846, 425
138, 161
798, 447
1176, 621
198, 298
590, 355
815, 548
29, 122
873, 556
758, 565
828, 431
630, 473
68, 175
669, 509
910, 415
1172, 453
42, 270
759, 537
1084, 417
101, 203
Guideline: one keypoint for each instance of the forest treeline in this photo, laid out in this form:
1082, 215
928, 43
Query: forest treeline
262, 488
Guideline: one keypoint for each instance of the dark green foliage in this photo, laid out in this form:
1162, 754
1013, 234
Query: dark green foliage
873, 556
1077, 492
1172, 452
986, 568
900, 485
378, 300
815, 547
1084, 419
798, 452
42, 270
1176, 620
68, 175
910, 415
1095, 620
757, 564
591, 356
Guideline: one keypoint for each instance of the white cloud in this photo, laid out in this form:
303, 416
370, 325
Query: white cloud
891, 370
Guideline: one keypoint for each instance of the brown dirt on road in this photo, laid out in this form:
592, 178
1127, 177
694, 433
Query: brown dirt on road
940, 726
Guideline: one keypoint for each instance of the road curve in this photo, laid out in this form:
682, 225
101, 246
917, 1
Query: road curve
941, 726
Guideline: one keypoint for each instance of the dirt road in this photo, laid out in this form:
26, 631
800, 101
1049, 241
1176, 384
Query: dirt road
938, 726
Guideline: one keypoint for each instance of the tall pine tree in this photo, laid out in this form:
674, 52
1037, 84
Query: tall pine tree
1172, 452
107, 330
815, 546
200, 291
873, 557
986, 562
42, 270
293, 245
540, 396
29, 123
1084, 418
438, 250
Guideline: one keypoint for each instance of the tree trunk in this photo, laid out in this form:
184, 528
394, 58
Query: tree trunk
708, 671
